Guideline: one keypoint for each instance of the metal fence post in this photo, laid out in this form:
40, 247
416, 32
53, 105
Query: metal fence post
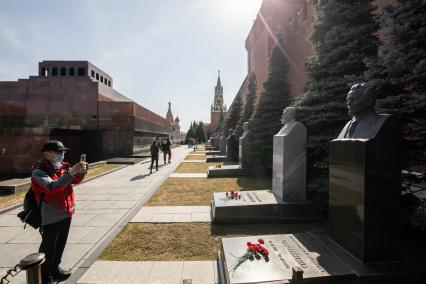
32, 264
297, 277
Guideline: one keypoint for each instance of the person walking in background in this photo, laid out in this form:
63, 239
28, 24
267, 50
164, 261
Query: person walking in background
154, 154
166, 148
51, 182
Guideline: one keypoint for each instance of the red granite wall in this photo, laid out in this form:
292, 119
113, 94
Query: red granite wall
87, 115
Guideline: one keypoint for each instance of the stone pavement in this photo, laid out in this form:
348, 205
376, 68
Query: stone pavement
200, 272
172, 214
103, 207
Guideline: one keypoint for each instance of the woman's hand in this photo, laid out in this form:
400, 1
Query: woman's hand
79, 168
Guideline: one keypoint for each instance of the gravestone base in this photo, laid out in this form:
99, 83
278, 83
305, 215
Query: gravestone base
261, 206
213, 152
227, 171
321, 259
216, 158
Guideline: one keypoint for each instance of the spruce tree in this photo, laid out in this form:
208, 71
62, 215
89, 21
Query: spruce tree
400, 74
249, 106
343, 37
265, 121
219, 127
190, 133
234, 114
199, 132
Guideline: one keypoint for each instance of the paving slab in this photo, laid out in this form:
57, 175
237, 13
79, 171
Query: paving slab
172, 214
189, 175
158, 272
193, 161
200, 272
166, 272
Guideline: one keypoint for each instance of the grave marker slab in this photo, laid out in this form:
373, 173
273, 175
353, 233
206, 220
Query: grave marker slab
285, 252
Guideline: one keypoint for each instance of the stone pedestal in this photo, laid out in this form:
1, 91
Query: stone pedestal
232, 148
223, 145
244, 152
289, 163
364, 194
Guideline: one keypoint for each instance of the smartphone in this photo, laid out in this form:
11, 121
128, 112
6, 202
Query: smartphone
83, 158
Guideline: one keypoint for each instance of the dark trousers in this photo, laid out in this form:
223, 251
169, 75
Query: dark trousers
154, 158
167, 152
54, 238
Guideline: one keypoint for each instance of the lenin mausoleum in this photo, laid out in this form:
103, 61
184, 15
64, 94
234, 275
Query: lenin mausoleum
74, 102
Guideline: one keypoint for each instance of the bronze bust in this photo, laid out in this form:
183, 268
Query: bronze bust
365, 122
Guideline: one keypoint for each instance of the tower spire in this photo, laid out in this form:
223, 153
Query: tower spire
218, 79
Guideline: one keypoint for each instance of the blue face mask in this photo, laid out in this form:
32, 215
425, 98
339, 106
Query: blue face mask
58, 157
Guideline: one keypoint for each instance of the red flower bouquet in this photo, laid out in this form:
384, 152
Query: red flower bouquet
233, 195
254, 251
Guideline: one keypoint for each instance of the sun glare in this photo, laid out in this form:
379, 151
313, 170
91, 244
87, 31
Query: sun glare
242, 8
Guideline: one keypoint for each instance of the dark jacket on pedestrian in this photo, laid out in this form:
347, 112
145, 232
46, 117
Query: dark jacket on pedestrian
165, 145
154, 149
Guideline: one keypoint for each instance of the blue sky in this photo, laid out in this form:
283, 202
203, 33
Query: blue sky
155, 50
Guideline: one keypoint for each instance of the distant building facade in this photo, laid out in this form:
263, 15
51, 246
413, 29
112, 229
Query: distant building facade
72, 101
174, 123
218, 107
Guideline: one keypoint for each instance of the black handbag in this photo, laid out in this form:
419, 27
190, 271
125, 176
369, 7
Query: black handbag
31, 214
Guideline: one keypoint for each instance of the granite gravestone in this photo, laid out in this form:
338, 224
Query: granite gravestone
243, 148
232, 146
289, 159
223, 144
365, 182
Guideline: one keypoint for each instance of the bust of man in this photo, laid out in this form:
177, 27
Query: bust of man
245, 129
231, 133
365, 122
289, 121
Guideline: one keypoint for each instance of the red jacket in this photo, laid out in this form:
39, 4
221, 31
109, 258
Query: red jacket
56, 184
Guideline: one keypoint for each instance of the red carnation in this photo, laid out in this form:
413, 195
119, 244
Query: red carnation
249, 244
261, 241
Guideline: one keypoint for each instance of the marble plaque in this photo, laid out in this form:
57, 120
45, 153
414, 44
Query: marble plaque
254, 197
285, 252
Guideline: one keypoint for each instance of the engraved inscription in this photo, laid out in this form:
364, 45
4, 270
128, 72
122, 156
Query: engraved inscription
306, 253
257, 197
294, 254
280, 256
250, 196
